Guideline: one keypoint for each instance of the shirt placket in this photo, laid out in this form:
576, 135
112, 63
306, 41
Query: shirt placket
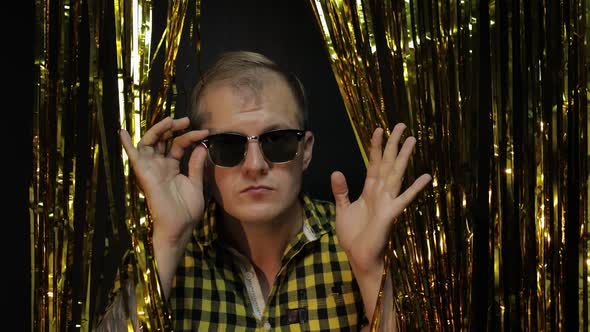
252, 284
308, 237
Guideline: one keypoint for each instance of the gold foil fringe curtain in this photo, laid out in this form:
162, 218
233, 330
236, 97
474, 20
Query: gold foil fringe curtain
86, 53
65, 166
495, 92
497, 95
350, 42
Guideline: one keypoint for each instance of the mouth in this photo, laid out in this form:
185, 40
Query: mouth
256, 190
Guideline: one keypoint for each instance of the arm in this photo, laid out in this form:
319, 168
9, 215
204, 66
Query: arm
121, 312
389, 318
363, 226
175, 200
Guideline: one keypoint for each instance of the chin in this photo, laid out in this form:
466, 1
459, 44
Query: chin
257, 212
257, 208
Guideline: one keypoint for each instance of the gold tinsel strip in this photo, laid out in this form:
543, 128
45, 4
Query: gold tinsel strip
137, 114
348, 32
62, 192
133, 24
536, 169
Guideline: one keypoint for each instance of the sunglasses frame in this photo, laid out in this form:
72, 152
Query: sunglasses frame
300, 133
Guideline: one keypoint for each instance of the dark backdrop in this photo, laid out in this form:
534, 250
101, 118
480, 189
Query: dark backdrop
287, 33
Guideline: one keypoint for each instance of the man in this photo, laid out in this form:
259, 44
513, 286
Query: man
261, 254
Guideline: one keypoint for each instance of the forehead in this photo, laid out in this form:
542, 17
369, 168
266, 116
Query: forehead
249, 102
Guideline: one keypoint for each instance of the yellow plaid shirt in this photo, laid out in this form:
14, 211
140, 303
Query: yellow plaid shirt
216, 288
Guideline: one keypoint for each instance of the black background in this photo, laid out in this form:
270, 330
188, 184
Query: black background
287, 33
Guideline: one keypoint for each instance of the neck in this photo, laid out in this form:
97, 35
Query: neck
264, 243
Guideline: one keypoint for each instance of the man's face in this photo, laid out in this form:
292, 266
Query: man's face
256, 190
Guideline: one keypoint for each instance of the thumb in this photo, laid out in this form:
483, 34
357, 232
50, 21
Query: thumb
340, 190
128, 145
196, 164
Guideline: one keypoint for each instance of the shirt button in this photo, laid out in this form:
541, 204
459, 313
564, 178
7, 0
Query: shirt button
249, 275
266, 326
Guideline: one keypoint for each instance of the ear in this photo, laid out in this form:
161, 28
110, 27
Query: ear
307, 149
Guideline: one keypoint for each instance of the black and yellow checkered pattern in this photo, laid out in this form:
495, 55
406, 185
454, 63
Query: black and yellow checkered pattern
313, 291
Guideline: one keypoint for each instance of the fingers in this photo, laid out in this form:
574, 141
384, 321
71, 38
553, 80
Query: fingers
396, 174
410, 194
163, 130
128, 145
394, 162
155, 139
183, 141
161, 147
391, 149
378, 231
375, 153
340, 190
196, 164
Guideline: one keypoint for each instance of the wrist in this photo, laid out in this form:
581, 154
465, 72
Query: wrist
167, 254
369, 280
163, 238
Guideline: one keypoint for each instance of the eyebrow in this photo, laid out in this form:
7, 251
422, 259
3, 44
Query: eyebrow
277, 126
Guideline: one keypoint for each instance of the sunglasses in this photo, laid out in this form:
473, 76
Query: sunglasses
229, 149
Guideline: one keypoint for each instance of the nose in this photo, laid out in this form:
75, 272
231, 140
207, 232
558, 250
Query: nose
254, 162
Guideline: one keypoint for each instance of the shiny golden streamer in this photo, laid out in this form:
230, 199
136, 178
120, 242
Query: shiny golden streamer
433, 243
137, 114
133, 24
497, 95
350, 42
62, 197
71, 144
175, 22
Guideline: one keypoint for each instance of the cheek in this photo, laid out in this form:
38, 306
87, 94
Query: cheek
222, 183
290, 178
286, 178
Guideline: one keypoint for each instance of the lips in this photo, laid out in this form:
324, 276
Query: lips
256, 190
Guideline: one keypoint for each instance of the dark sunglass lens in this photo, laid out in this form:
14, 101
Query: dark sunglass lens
280, 146
226, 150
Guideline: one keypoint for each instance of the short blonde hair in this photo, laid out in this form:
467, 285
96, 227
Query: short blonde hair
240, 67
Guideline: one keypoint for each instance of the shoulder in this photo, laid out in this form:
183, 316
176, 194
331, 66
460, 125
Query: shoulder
320, 214
324, 208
